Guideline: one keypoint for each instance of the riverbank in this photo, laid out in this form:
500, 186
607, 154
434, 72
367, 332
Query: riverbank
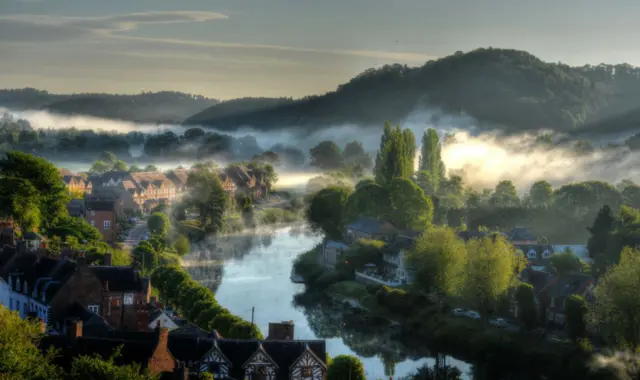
423, 324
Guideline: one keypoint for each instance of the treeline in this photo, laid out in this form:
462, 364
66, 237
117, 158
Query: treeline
148, 107
198, 304
509, 88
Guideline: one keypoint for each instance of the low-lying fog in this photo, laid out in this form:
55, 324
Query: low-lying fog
483, 158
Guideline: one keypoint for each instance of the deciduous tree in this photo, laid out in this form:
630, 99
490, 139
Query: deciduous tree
326, 211
344, 367
541, 194
527, 310
575, 310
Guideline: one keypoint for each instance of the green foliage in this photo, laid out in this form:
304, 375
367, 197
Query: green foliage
410, 208
42, 185
565, 262
541, 194
94, 368
354, 153
176, 287
369, 199
182, 245
439, 260
505, 195
345, 367
145, 257
306, 265
158, 224
205, 376
326, 156
575, 310
527, 309
395, 159
492, 268
617, 304
20, 357
208, 197
431, 168
326, 211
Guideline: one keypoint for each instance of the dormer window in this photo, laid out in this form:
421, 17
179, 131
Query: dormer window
546, 254
531, 254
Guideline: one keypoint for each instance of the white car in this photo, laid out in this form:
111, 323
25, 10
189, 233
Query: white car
459, 312
473, 314
498, 322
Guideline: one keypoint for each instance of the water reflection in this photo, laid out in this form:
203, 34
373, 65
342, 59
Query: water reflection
252, 270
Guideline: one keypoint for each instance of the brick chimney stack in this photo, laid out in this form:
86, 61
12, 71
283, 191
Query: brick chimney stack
281, 331
75, 330
107, 259
43, 327
163, 338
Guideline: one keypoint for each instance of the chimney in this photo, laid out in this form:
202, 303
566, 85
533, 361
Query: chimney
281, 331
105, 285
74, 330
107, 259
153, 300
163, 338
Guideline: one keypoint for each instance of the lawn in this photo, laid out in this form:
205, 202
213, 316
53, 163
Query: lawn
350, 289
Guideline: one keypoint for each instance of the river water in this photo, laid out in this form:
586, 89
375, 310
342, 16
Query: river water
255, 272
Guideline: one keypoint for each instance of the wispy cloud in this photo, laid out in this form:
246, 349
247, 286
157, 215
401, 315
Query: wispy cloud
45, 28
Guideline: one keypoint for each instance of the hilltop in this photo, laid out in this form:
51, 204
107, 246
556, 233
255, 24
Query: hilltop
147, 107
505, 88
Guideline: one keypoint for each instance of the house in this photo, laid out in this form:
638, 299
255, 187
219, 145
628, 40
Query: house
331, 252
75, 183
125, 198
538, 255
245, 181
369, 228
76, 208
521, 236
553, 295
144, 190
118, 294
102, 214
159, 318
272, 359
152, 354
179, 177
227, 184
395, 270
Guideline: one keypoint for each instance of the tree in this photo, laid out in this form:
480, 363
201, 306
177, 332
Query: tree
88, 367
205, 376
158, 223
100, 167
393, 160
45, 179
20, 201
410, 145
369, 199
439, 258
541, 194
20, 357
193, 134
617, 304
505, 195
345, 367
326, 156
410, 208
600, 232
107, 157
492, 268
326, 211
135, 169
151, 168
431, 164
451, 193
527, 310
120, 165
354, 153
181, 245
565, 262
575, 310
207, 195
146, 258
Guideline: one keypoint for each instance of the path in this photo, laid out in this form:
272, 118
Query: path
135, 235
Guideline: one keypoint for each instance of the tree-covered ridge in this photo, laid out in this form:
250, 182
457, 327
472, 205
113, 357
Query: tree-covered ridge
234, 107
509, 88
149, 107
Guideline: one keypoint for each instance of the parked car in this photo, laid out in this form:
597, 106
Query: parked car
459, 312
498, 322
473, 314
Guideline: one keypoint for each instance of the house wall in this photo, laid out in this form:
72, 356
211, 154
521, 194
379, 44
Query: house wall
83, 287
161, 360
97, 219
4, 293
330, 255
19, 302
165, 321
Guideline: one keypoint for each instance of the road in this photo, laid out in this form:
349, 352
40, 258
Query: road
135, 235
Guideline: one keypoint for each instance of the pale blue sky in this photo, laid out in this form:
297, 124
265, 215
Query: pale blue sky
232, 48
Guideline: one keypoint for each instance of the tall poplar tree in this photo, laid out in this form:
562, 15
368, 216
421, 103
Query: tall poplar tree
431, 159
395, 159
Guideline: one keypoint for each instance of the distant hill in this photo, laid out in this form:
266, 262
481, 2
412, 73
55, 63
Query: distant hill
507, 88
149, 107
235, 107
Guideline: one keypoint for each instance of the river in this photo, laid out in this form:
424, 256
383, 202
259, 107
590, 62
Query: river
255, 275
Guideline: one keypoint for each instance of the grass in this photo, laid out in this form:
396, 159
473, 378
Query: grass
350, 289
168, 257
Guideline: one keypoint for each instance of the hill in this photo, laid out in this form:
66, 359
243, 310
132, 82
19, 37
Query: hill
507, 88
148, 107
236, 107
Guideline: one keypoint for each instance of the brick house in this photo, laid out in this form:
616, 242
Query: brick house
118, 294
553, 295
151, 353
179, 177
102, 214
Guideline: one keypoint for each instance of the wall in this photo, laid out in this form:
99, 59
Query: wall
97, 218
4, 293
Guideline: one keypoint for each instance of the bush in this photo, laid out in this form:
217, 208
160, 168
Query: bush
158, 223
181, 245
349, 289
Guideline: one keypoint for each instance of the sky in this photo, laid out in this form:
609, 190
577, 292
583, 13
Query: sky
234, 48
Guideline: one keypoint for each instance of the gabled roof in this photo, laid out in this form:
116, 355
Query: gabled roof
179, 176
400, 243
120, 279
335, 244
64, 172
567, 284
371, 225
260, 351
521, 234
100, 204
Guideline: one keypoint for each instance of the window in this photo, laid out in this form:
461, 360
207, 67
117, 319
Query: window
93, 223
546, 254
107, 224
531, 254
93, 213
307, 372
128, 299
94, 309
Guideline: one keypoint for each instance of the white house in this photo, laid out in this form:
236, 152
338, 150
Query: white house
4, 293
396, 271
161, 319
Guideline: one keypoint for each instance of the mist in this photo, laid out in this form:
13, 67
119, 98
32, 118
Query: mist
482, 157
